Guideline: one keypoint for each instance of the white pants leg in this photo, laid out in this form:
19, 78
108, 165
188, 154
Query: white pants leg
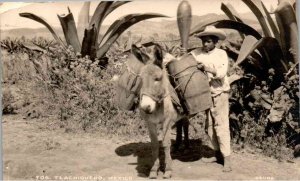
218, 124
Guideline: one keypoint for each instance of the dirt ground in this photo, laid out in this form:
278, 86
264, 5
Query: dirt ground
32, 152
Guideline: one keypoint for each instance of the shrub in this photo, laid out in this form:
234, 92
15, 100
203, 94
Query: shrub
7, 101
265, 119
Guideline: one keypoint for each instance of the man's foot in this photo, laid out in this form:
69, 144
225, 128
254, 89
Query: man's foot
209, 160
227, 164
216, 158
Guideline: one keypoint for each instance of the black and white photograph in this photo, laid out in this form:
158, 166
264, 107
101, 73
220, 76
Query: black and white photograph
149, 89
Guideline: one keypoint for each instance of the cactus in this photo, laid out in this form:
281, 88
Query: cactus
275, 48
90, 45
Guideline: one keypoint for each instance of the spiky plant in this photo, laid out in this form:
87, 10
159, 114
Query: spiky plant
267, 94
275, 48
92, 44
12, 45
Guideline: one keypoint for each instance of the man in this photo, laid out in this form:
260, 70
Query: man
214, 61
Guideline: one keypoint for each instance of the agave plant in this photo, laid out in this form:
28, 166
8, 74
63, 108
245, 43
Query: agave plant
275, 48
12, 45
85, 38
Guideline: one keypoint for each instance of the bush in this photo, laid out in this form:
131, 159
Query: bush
7, 102
266, 119
79, 92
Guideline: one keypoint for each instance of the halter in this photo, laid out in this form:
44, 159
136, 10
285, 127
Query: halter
159, 99
155, 98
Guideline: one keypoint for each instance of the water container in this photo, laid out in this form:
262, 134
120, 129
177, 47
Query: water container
191, 84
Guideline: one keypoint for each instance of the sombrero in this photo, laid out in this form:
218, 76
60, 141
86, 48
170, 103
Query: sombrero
211, 30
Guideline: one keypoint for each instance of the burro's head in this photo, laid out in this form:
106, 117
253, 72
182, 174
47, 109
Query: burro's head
153, 88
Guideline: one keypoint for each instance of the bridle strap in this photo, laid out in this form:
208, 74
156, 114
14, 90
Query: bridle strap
155, 98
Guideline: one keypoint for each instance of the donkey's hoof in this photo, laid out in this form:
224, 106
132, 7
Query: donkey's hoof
167, 174
153, 175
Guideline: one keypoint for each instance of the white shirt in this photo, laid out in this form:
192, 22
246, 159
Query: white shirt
216, 59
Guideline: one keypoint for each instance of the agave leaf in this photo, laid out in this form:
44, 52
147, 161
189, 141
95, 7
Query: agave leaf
231, 12
256, 8
204, 22
241, 27
245, 50
42, 21
231, 51
271, 51
33, 47
3, 45
288, 1
282, 30
271, 23
96, 22
42, 46
114, 25
103, 10
83, 19
89, 42
129, 41
110, 9
114, 6
120, 27
99, 14
69, 28
287, 24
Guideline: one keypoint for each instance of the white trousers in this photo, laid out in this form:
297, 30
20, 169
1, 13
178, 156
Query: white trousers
217, 124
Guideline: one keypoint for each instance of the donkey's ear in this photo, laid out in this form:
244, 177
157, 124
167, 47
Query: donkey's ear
158, 54
139, 54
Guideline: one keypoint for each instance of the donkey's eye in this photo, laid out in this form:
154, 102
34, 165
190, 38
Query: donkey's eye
157, 78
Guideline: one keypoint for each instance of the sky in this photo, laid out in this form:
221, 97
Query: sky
9, 11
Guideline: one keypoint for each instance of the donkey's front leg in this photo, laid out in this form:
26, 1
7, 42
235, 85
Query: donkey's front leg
155, 150
166, 142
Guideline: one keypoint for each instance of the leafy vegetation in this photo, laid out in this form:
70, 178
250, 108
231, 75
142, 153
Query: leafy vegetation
93, 45
265, 95
64, 80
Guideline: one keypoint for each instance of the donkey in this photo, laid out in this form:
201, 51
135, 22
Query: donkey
156, 106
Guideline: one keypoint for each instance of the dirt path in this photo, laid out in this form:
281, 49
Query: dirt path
31, 152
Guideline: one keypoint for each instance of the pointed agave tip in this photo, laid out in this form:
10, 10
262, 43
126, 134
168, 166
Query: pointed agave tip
69, 10
23, 14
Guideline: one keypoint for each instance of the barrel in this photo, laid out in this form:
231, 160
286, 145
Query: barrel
129, 84
191, 84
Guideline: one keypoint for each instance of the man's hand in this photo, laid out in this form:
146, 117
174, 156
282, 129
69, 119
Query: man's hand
202, 67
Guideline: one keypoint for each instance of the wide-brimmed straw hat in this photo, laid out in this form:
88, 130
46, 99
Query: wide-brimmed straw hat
212, 30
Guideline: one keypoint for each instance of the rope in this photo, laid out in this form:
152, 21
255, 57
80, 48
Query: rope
175, 75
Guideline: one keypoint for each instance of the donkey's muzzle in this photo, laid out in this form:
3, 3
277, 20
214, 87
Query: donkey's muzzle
147, 104
147, 110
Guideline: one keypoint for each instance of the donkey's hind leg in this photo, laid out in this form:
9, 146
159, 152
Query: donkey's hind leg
185, 125
182, 124
178, 141
155, 150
